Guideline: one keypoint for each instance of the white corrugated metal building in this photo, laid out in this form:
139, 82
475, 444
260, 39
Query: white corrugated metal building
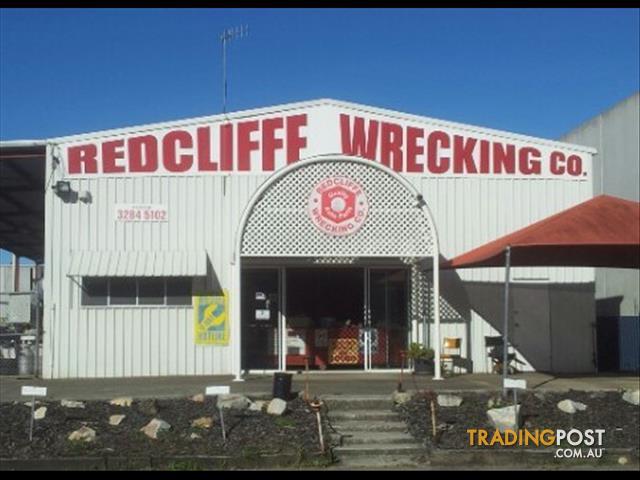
254, 240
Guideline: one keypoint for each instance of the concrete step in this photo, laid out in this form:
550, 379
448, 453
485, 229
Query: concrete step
379, 449
370, 438
362, 415
390, 425
379, 462
358, 402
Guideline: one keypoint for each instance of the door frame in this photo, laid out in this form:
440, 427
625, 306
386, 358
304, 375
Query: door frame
368, 351
281, 349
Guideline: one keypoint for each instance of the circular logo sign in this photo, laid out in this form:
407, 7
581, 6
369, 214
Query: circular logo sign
338, 206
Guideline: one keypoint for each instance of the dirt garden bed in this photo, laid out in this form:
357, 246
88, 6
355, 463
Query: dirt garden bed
605, 410
250, 434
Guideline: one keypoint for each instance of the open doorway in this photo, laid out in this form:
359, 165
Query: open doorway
325, 315
331, 318
346, 318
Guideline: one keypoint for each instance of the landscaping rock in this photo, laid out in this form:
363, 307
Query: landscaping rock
400, 398
199, 398
122, 401
83, 434
71, 404
154, 427
234, 401
115, 420
194, 436
504, 418
446, 400
28, 404
540, 396
444, 427
277, 406
495, 402
632, 397
569, 406
295, 431
40, 413
148, 407
619, 418
257, 406
202, 422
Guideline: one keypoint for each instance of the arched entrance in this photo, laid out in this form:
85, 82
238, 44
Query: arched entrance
328, 221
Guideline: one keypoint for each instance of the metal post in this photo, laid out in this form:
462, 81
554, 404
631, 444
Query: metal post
33, 408
306, 378
234, 310
320, 431
16, 272
505, 332
224, 38
36, 371
282, 329
402, 355
515, 406
316, 406
436, 314
224, 433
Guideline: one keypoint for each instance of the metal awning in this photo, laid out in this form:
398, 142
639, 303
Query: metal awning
22, 186
101, 263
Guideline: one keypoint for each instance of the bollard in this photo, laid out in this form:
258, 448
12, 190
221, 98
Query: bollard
282, 385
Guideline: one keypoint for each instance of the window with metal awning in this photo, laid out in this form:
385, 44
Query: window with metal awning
101, 263
136, 278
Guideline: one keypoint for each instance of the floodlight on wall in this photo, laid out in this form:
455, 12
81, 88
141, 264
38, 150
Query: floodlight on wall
62, 188
85, 196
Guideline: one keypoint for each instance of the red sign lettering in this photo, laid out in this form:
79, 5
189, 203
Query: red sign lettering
265, 144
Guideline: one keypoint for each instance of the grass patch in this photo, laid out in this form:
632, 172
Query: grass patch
284, 422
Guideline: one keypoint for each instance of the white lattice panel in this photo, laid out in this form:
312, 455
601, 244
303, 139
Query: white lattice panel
396, 226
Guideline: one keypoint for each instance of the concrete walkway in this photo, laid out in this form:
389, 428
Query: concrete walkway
320, 383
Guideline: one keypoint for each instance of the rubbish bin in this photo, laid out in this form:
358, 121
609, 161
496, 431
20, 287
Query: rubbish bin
282, 385
26, 359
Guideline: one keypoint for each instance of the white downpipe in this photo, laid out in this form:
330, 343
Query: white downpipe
436, 314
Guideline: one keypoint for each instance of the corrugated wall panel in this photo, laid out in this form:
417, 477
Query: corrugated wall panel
629, 341
472, 211
203, 214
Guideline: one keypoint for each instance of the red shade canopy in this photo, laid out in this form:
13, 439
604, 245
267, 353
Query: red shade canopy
601, 232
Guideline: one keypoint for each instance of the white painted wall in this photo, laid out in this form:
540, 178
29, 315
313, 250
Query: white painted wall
203, 214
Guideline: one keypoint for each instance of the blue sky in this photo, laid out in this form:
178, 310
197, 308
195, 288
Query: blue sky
539, 72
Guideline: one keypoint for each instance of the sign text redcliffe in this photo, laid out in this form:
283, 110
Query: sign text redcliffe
232, 147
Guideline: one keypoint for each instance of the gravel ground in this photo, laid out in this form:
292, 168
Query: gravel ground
248, 433
606, 410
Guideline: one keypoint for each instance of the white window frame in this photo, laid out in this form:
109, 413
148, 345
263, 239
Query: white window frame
137, 304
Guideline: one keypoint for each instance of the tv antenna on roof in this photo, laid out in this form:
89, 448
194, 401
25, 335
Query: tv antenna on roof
225, 37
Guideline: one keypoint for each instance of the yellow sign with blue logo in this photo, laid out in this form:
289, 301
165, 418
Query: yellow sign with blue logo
211, 319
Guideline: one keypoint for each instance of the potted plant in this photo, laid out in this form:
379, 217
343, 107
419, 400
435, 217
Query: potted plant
421, 357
